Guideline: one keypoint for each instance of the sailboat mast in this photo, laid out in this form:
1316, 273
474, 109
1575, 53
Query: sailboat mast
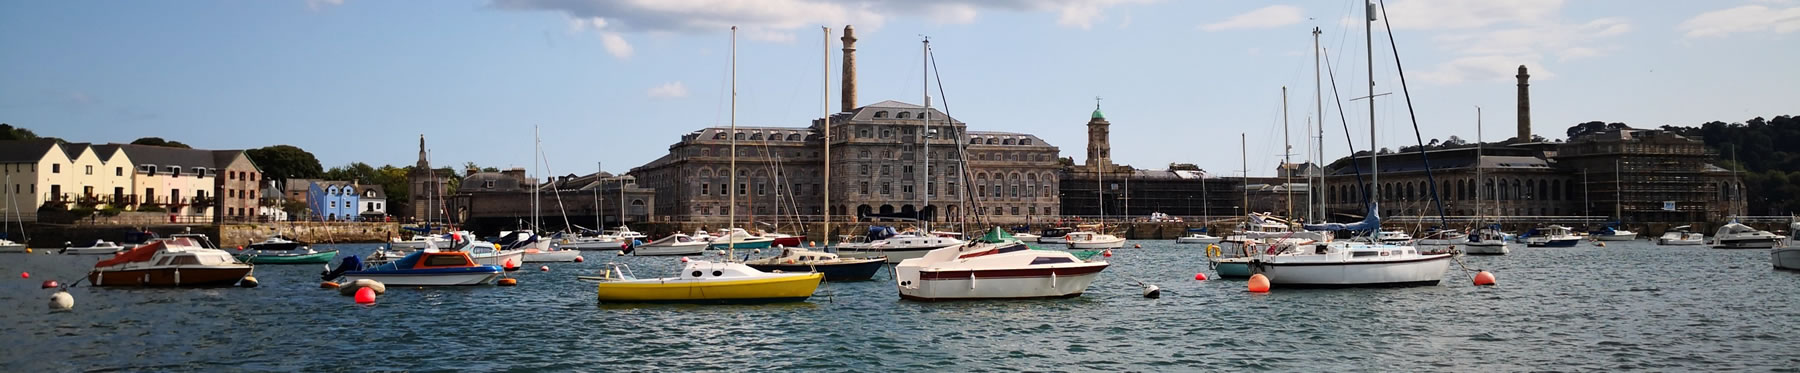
1244, 157
1287, 151
1374, 158
825, 122
598, 168
1480, 184
1318, 107
537, 145
731, 220
925, 135
1618, 194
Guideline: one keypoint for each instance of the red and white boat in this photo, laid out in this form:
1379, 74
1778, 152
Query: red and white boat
179, 261
994, 269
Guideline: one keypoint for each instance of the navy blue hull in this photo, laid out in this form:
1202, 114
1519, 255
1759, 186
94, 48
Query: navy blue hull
833, 272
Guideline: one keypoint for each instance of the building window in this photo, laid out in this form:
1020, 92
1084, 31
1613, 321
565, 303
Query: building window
90, 170
762, 189
1015, 210
56, 168
863, 169
906, 188
886, 188
903, 115
931, 188
334, 204
885, 170
980, 190
488, 184
908, 170
743, 189
887, 133
705, 188
950, 188
118, 171
862, 187
1033, 209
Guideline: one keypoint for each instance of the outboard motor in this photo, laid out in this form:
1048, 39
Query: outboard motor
350, 263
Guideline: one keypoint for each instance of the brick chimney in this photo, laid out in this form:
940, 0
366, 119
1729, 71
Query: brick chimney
1524, 105
849, 70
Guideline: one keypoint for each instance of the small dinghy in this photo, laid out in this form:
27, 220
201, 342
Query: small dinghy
834, 268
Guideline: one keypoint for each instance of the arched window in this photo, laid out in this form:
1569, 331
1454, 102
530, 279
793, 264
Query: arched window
881, 114
974, 141
862, 133
1024, 141
903, 115
793, 137
719, 136
1527, 194
1007, 142
739, 135
992, 141
756, 136
1543, 190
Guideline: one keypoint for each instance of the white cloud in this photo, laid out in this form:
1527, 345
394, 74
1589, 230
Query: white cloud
1485, 68
1487, 40
615, 44
669, 90
1748, 18
777, 20
321, 4
1467, 14
1265, 17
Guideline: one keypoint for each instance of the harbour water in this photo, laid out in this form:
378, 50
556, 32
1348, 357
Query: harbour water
1627, 306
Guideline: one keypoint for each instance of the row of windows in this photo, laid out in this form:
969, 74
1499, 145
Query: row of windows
1498, 189
758, 136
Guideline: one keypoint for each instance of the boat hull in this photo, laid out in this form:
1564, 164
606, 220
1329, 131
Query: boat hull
92, 250
1486, 249
1758, 243
1680, 242
509, 259
1025, 283
1424, 271
789, 241
471, 276
594, 245
778, 289
1087, 245
668, 250
551, 256
1616, 237
893, 256
862, 271
170, 277
1208, 240
1234, 268
759, 244
314, 258
12, 248
1785, 258
1561, 242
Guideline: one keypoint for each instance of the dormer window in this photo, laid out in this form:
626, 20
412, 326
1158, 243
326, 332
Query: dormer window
174, 170
147, 169
1007, 142
489, 184
1024, 141
719, 136
974, 141
739, 135
903, 115
756, 136
881, 114
199, 172
793, 137
992, 141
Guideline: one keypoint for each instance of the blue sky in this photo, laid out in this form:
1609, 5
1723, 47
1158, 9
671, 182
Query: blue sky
619, 81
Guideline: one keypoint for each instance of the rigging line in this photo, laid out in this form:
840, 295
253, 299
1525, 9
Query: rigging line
1361, 188
554, 190
961, 145
1386, 23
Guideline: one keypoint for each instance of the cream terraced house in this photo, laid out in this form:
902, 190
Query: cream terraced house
36, 172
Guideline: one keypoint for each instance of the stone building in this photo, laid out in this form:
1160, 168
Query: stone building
492, 201
1130, 193
1652, 176
880, 167
1514, 181
427, 189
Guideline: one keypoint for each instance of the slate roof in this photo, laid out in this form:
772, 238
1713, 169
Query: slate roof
24, 151
164, 156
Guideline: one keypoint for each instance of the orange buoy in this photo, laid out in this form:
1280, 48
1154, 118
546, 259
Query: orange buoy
578, 259
1259, 283
1600, 244
1137, 246
507, 282
1107, 253
1484, 278
240, 247
24, 274
50, 284
544, 268
1200, 276
365, 296
328, 285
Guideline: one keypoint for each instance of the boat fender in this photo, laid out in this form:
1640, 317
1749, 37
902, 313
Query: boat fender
790, 261
24, 274
507, 282
61, 300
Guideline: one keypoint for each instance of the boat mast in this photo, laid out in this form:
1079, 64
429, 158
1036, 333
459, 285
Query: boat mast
598, 168
925, 135
1618, 194
825, 122
1319, 107
1244, 157
537, 145
731, 220
1374, 157
1287, 152
1479, 182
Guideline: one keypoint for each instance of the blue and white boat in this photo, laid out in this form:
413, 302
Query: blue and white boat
427, 267
1551, 236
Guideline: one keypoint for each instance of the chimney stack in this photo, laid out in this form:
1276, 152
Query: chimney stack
849, 70
1524, 105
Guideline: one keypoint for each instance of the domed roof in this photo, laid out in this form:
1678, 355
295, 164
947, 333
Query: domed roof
1097, 114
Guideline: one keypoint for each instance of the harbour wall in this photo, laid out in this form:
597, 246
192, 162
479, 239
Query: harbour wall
1142, 230
227, 235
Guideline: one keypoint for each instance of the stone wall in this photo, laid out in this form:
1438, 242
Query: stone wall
232, 235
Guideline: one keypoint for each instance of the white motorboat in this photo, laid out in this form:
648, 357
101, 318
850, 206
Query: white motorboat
534, 255
8, 246
1486, 241
1199, 236
599, 242
1442, 237
1785, 258
1393, 237
1681, 236
990, 270
1735, 235
1263, 226
419, 242
896, 246
1351, 264
624, 233
98, 247
1611, 233
1026, 237
1093, 240
674, 244
1551, 236
428, 267
175, 261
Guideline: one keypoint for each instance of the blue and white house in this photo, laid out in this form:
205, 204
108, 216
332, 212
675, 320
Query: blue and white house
332, 200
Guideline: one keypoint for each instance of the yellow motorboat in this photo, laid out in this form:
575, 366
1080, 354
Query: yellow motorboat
707, 282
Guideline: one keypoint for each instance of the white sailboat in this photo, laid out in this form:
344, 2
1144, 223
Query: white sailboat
1787, 258
1353, 264
1486, 240
7, 245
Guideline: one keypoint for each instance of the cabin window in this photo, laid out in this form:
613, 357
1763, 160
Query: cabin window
185, 259
1359, 254
1050, 260
445, 261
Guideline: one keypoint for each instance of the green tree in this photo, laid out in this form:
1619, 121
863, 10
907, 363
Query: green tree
284, 162
158, 141
8, 132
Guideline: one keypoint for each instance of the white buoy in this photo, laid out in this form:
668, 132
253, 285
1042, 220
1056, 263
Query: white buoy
1152, 292
350, 288
62, 301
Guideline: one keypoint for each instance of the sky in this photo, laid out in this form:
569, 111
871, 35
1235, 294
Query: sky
613, 83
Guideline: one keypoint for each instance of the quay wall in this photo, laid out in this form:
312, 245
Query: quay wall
227, 235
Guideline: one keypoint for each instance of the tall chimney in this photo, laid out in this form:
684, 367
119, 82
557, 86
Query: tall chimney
1524, 105
849, 69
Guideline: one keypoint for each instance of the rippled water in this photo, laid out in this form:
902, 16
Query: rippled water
1626, 306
